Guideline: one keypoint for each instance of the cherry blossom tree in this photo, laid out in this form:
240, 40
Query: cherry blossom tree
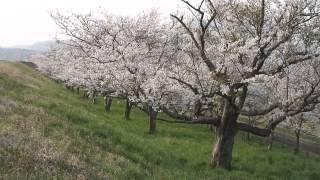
132, 48
304, 123
246, 43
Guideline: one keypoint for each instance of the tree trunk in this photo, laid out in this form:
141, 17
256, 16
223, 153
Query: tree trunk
152, 120
297, 148
248, 133
298, 132
197, 109
85, 95
211, 127
93, 96
78, 90
128, 110
248, 136
222, 149
107, 103
270, 141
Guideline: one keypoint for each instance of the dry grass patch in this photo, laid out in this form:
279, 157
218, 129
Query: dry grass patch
10, 70
25, 150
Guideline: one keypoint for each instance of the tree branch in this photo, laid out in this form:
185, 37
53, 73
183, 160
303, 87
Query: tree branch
264, 132
261, 112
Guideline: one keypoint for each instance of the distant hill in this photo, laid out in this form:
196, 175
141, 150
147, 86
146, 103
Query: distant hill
22, 52
15, 54
38, 46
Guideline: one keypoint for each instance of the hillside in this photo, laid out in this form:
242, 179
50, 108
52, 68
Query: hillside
48, 131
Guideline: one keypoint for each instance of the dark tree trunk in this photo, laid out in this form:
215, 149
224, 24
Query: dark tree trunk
222, 149
152, 120
127, 110
85, 95
107, 103
298, 132
78, 90
297, 148
197, 109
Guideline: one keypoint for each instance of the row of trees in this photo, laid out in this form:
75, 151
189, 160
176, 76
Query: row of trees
203, 65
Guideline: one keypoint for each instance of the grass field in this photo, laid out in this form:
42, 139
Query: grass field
49, 132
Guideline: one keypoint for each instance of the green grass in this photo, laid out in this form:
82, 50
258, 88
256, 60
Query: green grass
47, 131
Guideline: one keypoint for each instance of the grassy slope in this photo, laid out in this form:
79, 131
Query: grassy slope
46, 130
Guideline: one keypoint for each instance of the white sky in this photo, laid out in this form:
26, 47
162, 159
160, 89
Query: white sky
28, 21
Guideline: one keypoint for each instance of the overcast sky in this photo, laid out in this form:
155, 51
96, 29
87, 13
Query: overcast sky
27, 21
